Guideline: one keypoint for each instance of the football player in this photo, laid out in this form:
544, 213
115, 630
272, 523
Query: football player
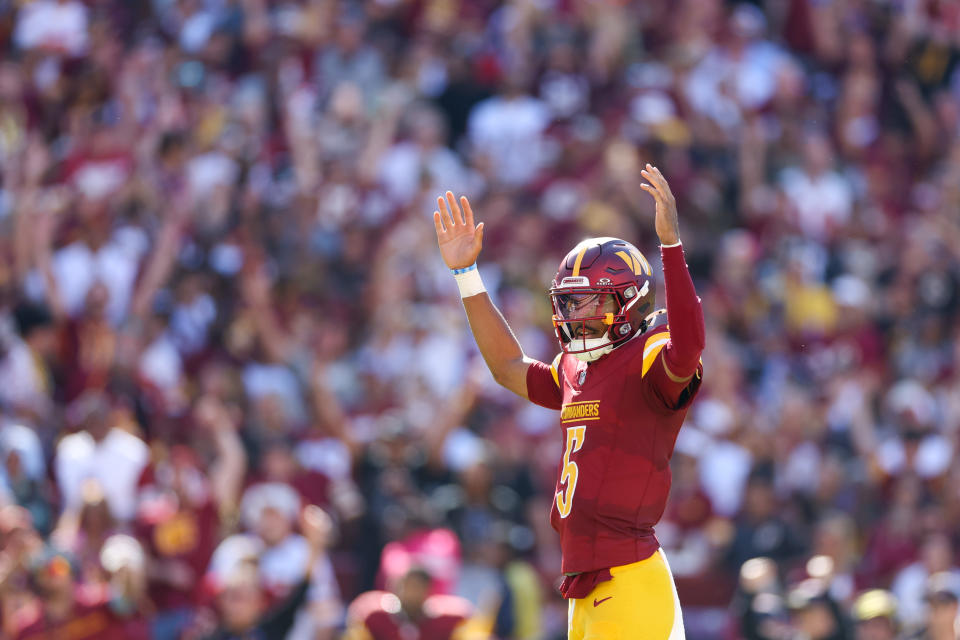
623, 382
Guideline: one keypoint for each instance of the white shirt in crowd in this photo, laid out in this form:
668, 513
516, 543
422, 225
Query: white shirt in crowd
24, 385
116, 462
60, 25
722, 85
405, 164
819, 202
76, 268
510, 133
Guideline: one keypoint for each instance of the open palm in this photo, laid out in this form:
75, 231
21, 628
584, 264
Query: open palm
665, 223
459, 239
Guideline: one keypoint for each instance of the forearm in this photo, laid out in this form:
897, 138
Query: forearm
684, 314
227, 471
498, 345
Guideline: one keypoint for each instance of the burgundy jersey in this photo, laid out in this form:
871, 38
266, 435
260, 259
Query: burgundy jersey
618, 427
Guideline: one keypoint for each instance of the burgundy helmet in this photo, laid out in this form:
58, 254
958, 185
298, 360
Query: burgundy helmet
603, 280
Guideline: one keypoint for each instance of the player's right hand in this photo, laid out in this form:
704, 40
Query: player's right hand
460, 241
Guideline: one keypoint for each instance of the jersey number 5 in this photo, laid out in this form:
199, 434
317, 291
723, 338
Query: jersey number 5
568, 476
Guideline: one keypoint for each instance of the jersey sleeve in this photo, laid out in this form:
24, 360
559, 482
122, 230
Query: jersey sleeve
671, 359
543, 383
662, 387
684, 313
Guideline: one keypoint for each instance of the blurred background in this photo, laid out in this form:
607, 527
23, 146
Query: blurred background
221, 300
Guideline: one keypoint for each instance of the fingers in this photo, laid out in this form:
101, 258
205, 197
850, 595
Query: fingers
454, 208
450, 215
468, 211
444, 213
656, 192
478, 237
656, 179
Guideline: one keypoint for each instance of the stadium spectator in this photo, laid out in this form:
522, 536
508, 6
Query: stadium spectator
242, 602
941, 594
409, 612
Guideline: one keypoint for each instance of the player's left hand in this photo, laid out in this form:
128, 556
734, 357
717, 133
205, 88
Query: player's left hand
668, 228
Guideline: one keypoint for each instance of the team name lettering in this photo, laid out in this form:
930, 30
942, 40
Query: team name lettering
581, 411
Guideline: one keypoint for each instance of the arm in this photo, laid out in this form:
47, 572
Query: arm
161, 262
450, 417
681, 356
460, 242
497, 343
44, 212
255, 288
230, 465
922, 120
327, 408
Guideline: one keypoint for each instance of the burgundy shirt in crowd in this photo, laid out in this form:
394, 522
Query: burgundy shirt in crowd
91, 619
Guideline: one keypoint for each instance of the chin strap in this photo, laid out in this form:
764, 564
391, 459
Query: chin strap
649, 321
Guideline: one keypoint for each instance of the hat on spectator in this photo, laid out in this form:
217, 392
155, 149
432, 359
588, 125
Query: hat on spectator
234, 552
275, 495
122, 551
876, 603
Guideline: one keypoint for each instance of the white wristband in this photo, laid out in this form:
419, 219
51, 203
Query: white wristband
469, 281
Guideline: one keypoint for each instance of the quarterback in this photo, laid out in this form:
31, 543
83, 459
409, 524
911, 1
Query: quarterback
623, 382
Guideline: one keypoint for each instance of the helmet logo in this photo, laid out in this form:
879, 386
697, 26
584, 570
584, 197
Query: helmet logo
575, 281
624, 329
604, 282
636, 262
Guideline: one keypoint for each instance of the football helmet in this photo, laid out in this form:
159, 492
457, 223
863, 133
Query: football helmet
602, 282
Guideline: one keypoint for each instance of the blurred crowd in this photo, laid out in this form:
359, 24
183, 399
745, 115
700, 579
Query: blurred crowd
221, 301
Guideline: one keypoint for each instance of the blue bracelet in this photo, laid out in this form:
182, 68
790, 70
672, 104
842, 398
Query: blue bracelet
457, 272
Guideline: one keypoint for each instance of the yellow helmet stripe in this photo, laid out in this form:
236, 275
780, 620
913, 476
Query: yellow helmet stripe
646, 265
576, 264
626, 257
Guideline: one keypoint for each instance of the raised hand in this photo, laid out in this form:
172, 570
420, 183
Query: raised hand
668, 229
460, 241
316, 526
